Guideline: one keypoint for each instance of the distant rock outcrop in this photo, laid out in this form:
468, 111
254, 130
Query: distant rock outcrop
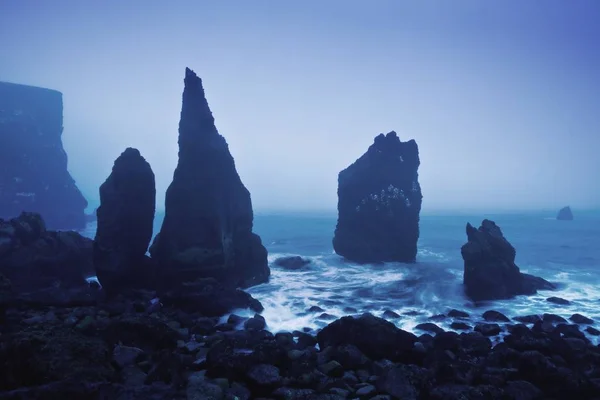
44, 263
207, 229
34, 175
379, 201
125, 220
490, 272
565, 214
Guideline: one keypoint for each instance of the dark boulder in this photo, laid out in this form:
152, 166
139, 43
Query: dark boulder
125, 221
379, 201
375, 337
565, 214
490, 271
34, 259
292, 262
34, 175
207, 229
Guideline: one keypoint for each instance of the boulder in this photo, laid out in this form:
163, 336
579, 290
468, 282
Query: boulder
125, 221
490, 272
565, 214
292, 262
375, 337
379, 201
34, 259
207, 229
34, 175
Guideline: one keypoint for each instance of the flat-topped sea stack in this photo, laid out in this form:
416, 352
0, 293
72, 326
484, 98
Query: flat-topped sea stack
379, 201
565, 214
207, 229
34, 175
490, 272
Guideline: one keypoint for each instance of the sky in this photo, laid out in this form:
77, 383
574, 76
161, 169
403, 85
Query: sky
503, 98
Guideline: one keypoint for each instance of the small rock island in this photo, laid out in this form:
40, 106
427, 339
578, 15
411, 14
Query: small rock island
34, 175
379, 202
490, 272
565, 214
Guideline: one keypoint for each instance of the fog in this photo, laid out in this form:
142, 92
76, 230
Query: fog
503, 98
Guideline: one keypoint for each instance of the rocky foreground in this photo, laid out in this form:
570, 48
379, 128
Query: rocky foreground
137, 346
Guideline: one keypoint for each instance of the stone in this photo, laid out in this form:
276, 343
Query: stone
292, 263
34, 175
125, 222
44, 263
374, 337
490, 272
207, 229
581, 319
379, 202
565, 214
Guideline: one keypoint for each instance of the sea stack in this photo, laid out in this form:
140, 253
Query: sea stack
34, 175
490, 272
379, 201
125, 220
565, 214
207, 229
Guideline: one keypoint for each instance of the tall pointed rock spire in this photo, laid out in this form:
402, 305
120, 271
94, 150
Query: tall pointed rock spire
207, 230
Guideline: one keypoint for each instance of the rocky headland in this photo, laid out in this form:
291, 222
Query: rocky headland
379, 201
34, 175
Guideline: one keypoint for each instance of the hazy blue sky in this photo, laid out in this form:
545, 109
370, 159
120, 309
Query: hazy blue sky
503, 97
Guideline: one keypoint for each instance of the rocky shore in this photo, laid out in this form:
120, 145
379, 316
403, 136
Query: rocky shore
139, 346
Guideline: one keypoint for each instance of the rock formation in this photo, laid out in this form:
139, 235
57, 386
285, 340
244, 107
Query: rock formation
40, 262
207, 229
490, 272
565, 214
34, 175
379, 201
125, 220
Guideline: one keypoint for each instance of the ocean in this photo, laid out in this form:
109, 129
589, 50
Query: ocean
563, 252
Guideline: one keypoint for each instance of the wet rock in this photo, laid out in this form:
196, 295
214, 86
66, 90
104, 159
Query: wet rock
553, 318
255, 323
315, 309
379, 201
326, 317
558, 300
292, 263
460, 326
389, 314
528, 319
488, 329
208, 297
457, 314
495, 316
264, 375
375, 337
580, 319
34, 175
592, 331
207, 229
125, 223
565, 214
429, 327
490, 271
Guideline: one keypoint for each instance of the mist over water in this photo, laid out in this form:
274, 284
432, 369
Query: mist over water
563, 252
